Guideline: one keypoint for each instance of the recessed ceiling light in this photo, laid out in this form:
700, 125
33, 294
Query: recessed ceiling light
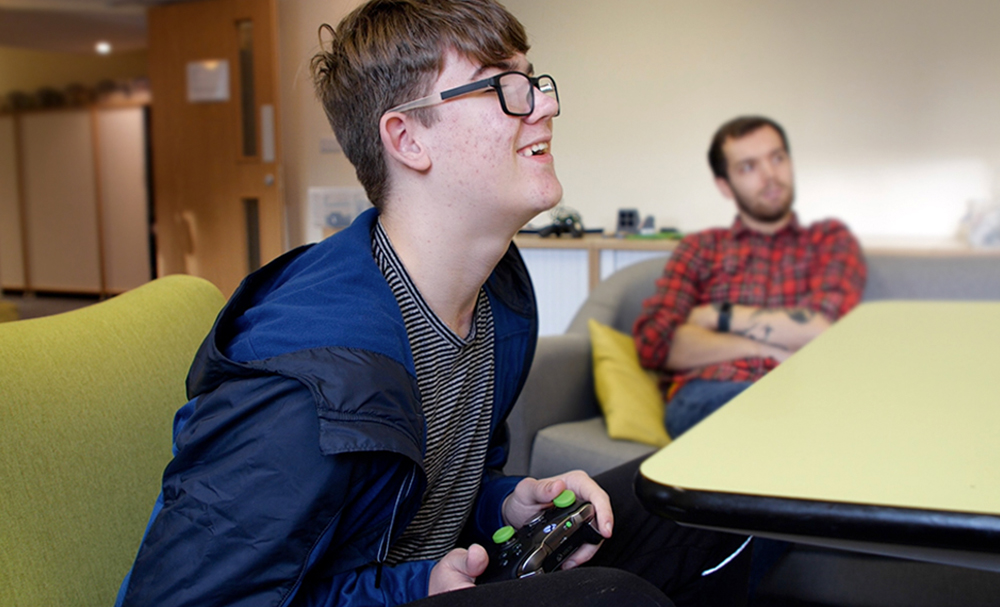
103, 48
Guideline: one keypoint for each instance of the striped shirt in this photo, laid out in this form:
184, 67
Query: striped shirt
455, 377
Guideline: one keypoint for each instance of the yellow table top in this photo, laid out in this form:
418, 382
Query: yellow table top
896, 405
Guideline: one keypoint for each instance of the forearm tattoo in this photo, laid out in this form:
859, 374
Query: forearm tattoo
757, 332
801, 315
798, 315
761, 330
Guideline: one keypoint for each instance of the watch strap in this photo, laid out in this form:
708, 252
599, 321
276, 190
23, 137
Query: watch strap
725, 317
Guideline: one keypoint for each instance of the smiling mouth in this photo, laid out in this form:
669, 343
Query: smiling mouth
536, 149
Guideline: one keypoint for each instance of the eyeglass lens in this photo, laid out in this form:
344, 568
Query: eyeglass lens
518, 92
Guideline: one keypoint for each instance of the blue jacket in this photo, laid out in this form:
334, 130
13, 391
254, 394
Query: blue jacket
298, 460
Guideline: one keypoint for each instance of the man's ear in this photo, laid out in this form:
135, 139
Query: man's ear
727, 190
401, 141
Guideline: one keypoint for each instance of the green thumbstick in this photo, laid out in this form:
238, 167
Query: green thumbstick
503, 534
566, 498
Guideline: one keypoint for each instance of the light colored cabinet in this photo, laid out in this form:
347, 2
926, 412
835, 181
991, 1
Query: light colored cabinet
124, 208
11, 253
563, 270
60, 205
74, 201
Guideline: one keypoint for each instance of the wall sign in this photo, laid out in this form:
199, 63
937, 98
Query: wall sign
208, 81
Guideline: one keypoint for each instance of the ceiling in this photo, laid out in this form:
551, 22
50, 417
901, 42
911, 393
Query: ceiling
74, 26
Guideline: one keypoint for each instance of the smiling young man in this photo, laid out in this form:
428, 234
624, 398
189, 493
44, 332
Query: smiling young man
733, 303
346, 429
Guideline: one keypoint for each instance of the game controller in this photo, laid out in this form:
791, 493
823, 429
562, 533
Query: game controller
544, 542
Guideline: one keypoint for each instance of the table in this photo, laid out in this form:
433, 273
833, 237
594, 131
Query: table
882, 436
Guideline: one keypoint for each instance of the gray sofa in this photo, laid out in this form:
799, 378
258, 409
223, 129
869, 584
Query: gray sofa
557, 426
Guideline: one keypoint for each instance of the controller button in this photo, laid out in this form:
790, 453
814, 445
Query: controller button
565, 499
503, 534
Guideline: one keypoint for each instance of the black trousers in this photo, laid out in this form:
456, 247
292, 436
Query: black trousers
647, 560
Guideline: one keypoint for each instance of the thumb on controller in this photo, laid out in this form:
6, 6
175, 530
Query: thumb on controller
476, 561
550, 490
458, 569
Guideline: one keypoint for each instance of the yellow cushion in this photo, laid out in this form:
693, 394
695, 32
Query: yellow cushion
627, 393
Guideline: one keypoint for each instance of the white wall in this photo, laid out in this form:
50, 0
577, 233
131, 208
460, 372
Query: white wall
303, 123
891, 107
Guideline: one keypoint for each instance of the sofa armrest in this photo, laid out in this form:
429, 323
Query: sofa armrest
559, 388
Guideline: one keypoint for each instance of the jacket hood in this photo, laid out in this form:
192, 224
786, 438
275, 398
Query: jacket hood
325, 295
330, 299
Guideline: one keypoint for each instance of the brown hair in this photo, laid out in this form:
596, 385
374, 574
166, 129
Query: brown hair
388, 52
735, 129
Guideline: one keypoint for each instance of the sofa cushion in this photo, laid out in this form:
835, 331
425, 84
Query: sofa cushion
581, 445
933, 276
86, 403
617, 300
627, 393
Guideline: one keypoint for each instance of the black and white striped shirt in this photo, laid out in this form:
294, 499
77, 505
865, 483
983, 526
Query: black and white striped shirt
455, 377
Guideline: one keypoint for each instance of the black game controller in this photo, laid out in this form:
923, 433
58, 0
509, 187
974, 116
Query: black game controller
544, 542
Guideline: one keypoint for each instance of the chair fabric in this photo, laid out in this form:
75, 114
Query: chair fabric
8, 311
86, 403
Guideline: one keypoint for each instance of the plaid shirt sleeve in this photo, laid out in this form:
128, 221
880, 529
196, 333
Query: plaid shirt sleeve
837, 278
678, 291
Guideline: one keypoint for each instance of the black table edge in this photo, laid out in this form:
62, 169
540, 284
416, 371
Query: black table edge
862, 523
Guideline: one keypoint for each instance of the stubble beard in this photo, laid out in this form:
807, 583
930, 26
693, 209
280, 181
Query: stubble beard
765, 216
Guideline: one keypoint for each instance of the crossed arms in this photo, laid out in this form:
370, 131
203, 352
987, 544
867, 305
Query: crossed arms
823, 275
754, 332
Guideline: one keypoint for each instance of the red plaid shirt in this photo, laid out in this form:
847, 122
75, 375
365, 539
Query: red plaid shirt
819, 267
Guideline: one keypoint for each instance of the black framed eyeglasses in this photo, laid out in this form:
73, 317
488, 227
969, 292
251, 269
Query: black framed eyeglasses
516, 91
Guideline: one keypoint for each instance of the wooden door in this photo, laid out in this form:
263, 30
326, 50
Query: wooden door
217, 179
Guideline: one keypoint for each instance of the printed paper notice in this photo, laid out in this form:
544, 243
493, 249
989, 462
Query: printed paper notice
208, 81
332, 209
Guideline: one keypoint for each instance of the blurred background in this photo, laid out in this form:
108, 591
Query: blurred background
140, 138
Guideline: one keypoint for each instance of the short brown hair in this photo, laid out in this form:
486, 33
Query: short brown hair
388, 52
735, 129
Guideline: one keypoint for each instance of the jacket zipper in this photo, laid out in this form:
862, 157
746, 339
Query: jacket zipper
383, 551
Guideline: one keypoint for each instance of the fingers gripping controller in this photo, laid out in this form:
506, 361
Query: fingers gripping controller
544, 542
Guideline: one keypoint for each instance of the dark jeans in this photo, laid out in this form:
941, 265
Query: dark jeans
646, 560
698, 399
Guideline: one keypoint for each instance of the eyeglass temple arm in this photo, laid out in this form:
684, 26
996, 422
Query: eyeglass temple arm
466, 88
436, 98
427, 101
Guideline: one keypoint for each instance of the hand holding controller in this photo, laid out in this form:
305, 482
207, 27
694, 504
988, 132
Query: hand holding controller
544, 542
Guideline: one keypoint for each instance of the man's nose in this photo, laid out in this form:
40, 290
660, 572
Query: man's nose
768, 170
545, 107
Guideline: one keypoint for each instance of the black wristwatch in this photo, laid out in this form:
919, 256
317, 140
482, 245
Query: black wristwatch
725, 315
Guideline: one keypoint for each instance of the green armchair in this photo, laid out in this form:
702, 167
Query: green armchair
86, 403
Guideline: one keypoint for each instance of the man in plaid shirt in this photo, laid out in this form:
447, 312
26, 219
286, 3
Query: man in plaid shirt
733, 303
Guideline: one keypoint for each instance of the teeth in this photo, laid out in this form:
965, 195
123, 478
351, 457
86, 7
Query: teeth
538, 148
